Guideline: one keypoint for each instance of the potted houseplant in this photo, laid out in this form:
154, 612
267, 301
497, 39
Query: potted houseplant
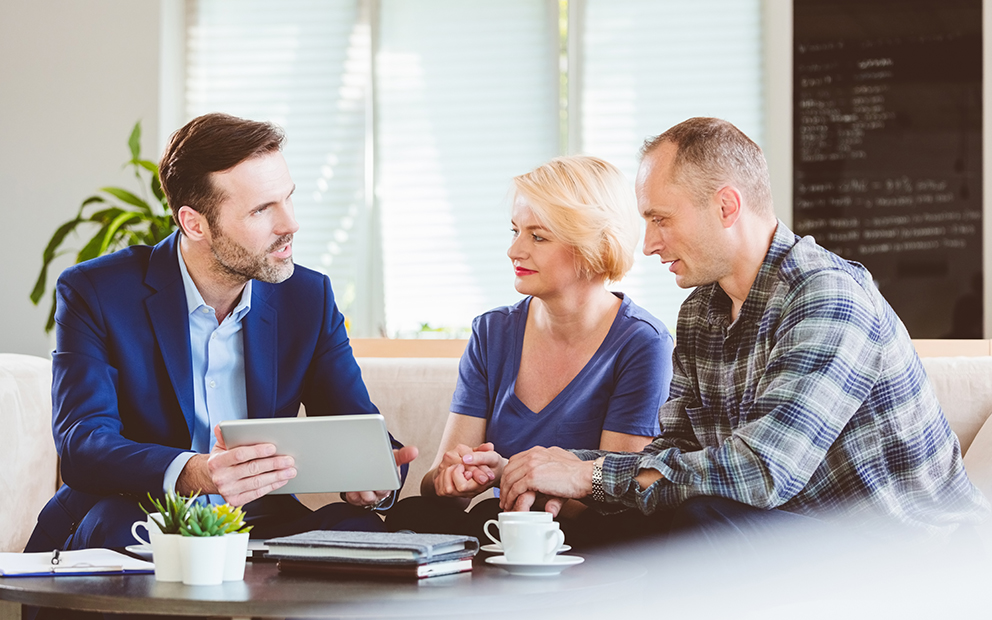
236, 535
118, 216
173, 511
203, 548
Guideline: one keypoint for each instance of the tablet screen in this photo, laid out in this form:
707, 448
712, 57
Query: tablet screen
333, 454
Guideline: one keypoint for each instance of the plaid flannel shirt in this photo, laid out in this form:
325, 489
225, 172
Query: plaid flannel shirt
813, 401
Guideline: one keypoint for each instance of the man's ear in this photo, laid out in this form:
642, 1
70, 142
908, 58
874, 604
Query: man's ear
193, 224
731, 204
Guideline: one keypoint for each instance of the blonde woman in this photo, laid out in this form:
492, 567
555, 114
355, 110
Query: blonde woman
572, 364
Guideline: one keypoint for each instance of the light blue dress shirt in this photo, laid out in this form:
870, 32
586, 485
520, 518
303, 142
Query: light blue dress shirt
218, 362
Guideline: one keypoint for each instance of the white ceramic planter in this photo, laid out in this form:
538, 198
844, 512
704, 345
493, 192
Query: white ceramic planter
236, 554
165, 555
202, 559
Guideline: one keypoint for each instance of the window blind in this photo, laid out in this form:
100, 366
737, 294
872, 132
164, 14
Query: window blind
467, 97
305, 66
649, 64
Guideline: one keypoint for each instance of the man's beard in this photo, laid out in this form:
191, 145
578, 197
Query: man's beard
237, 263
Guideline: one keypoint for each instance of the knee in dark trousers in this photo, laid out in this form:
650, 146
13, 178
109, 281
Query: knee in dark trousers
108, 523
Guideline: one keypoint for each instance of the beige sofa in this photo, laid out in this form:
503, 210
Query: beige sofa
414, 394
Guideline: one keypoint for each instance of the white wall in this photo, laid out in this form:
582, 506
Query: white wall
74, 77
777, 15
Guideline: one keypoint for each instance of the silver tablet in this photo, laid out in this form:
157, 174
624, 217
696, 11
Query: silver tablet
333, 454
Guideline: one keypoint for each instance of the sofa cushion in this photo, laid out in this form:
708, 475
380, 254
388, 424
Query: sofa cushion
414, 395
978, 460
27, 450
964, 388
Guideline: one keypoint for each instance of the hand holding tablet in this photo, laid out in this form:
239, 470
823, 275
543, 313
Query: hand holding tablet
347, 453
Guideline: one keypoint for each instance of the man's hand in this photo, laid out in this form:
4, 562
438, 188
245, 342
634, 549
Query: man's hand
554, 472
240, 475
369, 498
466, 472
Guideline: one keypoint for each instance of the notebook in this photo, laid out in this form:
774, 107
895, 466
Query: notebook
80, 562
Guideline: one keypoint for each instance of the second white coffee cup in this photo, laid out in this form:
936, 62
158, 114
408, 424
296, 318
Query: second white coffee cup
530, 542
506, 517
148, 526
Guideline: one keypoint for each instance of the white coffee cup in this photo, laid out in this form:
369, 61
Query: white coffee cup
506, 517
530, 542
149, 527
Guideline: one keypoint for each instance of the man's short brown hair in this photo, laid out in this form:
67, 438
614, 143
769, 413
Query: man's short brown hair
711, 153
210, 143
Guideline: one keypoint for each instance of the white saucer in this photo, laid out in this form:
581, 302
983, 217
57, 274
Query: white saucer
497, 549
142, 551
560, 563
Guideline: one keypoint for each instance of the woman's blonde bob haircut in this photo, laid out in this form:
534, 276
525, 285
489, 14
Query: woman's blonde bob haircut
588, 204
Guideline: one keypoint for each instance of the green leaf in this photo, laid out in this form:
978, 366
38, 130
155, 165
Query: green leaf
113, 227
128, 197
107, 215
157, 190
50, 323
150, 166
89, 201
134, 142
49, 255
92, 247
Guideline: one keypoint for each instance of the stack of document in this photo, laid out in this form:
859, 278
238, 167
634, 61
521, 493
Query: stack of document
81, 562
374, 554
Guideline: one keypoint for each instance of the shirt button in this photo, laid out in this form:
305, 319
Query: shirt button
213, 384
206, 311
213, 336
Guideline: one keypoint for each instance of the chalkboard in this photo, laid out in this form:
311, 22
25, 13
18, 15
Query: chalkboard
887, 150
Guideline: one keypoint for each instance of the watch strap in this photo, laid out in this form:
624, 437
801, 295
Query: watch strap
598, 492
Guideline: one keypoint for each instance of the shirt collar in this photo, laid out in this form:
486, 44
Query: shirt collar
194, 300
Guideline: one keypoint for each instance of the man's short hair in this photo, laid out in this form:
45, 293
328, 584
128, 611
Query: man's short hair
210, 143
588, 204
712, 153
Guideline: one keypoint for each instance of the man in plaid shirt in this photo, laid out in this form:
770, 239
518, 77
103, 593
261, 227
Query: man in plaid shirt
797, 390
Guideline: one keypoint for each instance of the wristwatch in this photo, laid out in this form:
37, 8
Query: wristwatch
598, 492
384, 503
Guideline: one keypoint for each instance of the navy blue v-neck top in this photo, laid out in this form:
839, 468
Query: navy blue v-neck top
620, 389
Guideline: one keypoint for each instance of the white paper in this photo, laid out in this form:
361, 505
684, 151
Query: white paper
70, 563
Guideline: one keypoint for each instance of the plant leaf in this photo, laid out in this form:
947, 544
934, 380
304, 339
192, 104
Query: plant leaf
49, 255
50, 323
128, 197
134, 142
90, 201
113, 227
147, 165
92, 247
157, 190
107, 215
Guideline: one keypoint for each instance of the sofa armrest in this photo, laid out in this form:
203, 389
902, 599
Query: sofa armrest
27, 450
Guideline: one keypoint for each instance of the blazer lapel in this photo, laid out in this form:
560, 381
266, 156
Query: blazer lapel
170, 321
261, 364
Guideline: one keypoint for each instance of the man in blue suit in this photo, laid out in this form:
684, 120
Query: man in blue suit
156, 345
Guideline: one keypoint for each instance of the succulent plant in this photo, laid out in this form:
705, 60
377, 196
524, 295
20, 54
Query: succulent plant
174, 510
202, 521
232, 518
206, 520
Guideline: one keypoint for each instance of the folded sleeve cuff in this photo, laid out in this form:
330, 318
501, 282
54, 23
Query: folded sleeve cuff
174, 469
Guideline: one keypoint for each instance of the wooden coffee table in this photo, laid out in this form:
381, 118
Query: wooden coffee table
267, 593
